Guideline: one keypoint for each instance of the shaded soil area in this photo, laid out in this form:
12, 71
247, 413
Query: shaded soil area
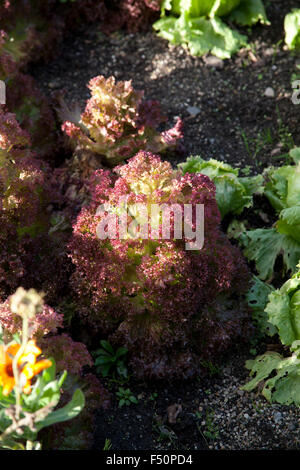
233, 118
215, 414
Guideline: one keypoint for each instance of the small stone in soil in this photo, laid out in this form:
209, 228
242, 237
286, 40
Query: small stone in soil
193, 110
212, 61
269, 93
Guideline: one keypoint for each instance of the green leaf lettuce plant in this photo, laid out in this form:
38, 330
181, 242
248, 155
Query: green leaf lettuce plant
233, 193
197, 24
292, 29
281, 375
263, 246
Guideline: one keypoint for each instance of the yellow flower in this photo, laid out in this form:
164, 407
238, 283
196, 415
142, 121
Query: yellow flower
27, 365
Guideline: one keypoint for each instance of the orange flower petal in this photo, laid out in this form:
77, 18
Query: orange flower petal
41, 365
13, 348
27, 388
8, 386
30, 354
2, 354
30, 370
27, 372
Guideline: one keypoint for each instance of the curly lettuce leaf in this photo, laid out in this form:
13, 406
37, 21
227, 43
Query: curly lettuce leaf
283, 191
212, 168
249, 12
284, 386
233, 194
257, 298
201, 35
293, 189
292, 29
295, 154
281, 316
263, 246
283, 310
276, 188
283, 184
197, 24
289, 222
261, 367
281, 376
198, 8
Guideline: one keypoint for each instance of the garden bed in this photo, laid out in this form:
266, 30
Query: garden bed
230, 114
216, 414
233, 111
176, 324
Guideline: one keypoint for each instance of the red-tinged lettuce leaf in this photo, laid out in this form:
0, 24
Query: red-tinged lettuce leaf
147, 293
33, 112
117, 123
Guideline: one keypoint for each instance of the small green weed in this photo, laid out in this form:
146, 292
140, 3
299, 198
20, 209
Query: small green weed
125, 397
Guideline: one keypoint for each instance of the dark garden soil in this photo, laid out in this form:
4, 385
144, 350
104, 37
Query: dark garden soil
236, 122
215, 414
239, 111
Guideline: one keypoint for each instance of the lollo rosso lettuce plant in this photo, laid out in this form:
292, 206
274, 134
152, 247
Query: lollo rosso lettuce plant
21, 193
26, 191
281, 374
151, 295
34, 28
8, 67
34, 114
134, 15
197, 24
117, 123
31, 30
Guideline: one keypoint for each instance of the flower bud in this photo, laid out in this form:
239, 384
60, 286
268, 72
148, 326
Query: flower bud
26, 303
